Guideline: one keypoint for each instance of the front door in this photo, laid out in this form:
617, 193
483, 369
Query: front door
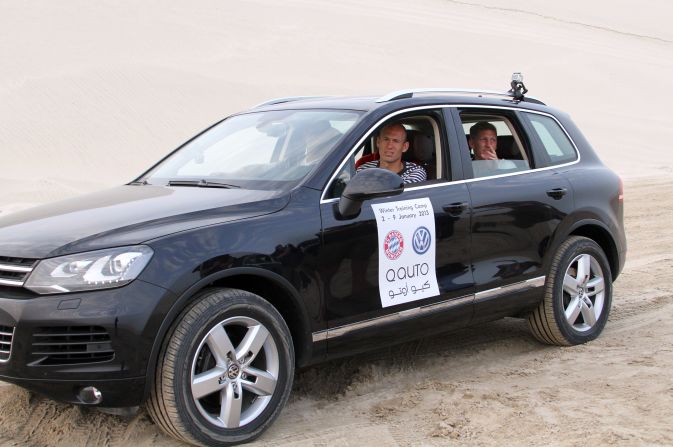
373, 297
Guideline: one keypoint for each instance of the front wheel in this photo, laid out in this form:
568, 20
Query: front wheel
225, 370
578, 295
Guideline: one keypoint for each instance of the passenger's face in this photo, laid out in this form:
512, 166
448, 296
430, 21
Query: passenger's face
484, 145
391, 144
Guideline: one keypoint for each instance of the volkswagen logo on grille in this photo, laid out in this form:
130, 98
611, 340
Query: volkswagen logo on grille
421, 240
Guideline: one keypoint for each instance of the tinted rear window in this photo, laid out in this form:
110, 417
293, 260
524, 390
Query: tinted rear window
555, 141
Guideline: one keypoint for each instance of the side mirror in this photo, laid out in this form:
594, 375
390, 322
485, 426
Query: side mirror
368, 184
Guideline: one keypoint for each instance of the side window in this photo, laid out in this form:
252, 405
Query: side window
424, 138
344, 176
554, 140
494, 143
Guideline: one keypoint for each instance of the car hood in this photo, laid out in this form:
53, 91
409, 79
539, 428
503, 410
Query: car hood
126, 215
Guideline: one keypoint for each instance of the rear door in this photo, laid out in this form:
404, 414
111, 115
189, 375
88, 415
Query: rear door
516, 210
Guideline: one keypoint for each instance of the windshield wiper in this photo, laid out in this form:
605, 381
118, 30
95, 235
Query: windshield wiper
201, 183
142, 182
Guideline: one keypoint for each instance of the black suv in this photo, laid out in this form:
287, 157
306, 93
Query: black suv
257, 247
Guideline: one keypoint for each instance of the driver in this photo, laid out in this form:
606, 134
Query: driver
391, 143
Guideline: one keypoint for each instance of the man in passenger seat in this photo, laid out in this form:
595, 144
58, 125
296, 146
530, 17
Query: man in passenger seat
483, 141
391, 143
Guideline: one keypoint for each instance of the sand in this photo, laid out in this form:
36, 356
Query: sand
93, 93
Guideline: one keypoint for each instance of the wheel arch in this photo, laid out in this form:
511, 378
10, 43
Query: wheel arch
600, 234
269, 285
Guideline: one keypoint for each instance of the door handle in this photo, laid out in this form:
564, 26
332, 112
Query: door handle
455, 208
557, 193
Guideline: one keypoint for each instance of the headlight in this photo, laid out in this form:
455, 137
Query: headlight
101, 269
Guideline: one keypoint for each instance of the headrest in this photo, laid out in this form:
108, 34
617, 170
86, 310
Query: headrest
423, 147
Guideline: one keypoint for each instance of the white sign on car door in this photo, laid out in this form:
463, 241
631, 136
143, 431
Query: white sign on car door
406, 237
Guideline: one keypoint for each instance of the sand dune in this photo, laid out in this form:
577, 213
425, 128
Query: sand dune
97, 93
93, 93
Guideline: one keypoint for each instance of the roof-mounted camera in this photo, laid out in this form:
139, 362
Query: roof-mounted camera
518, 89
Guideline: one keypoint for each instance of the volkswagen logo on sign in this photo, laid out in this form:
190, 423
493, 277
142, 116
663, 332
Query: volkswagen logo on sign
421, 240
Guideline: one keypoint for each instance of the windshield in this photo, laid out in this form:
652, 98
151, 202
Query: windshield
264, 150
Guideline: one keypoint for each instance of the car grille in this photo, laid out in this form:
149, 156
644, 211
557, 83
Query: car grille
71, 345
6, 334
13, 271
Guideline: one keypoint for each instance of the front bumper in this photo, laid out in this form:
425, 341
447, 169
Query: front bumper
59, 344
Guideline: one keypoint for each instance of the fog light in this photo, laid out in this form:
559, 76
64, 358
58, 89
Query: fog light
90, 395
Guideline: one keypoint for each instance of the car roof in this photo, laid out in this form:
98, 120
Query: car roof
405, 98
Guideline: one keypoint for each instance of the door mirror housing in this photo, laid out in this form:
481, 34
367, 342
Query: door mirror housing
368, 184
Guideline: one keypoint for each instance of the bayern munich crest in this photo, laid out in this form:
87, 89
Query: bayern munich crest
393, 244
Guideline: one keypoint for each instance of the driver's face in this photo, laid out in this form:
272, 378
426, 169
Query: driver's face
391, 144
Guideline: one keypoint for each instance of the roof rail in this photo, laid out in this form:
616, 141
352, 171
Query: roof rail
285, 99
409, 93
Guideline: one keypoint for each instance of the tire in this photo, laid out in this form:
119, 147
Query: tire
225, 370
577, 297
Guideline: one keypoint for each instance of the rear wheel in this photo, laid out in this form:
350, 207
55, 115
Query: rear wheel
225, 370
578, 295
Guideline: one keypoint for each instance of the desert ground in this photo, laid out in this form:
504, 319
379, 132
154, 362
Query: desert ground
92, 93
